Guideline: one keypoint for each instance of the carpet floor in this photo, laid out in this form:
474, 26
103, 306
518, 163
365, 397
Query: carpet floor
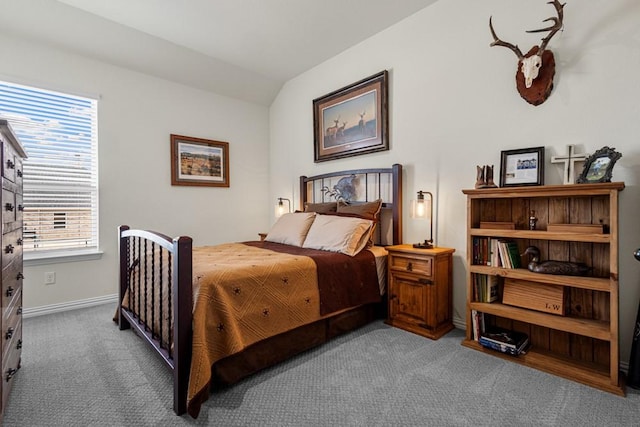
78, 369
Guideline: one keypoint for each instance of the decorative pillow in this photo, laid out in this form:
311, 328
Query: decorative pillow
367, 210
339, 234
291, 228
321, 207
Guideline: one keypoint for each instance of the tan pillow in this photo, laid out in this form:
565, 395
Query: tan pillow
339, 234
367, 210
291, 228
321, 207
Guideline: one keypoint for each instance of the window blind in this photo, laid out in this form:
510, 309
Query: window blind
59, 134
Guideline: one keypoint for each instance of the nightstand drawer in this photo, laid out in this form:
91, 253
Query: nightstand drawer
413, 264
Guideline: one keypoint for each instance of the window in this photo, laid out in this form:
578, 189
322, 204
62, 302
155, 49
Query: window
59, 134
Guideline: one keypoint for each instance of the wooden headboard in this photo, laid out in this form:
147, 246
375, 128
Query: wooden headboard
360, 186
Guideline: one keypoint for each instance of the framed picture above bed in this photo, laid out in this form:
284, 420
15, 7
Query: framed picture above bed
199, 162
352, 120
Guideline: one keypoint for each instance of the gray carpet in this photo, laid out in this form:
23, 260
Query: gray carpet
78, 369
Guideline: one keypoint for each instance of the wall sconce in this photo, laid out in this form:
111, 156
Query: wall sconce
280, 207
421, 209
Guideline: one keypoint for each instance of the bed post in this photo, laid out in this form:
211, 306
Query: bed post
303, 192
182, 321
123, 246
397, 204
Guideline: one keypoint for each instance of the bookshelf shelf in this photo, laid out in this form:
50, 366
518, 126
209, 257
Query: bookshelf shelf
583, 344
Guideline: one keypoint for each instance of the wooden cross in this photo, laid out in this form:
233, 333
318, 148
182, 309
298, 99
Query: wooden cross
569, 163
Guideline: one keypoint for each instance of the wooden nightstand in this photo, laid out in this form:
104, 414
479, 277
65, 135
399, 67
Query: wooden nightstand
420, 290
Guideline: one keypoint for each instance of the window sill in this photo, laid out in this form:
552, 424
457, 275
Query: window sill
43, 258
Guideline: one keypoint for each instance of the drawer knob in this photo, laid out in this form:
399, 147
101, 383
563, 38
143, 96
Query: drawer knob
20, 276
19, 241
19, 345
19, 173
8, 207
19, 311
20, 208
10, 373
10, 164
10, 291
8, 249
9, 333
410, 266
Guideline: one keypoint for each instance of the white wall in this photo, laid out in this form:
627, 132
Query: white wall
453, 105
137, 113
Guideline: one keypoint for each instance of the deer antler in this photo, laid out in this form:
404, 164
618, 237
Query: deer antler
553, 29
498, 42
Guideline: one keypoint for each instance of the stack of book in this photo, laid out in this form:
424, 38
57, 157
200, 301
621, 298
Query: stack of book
505, 341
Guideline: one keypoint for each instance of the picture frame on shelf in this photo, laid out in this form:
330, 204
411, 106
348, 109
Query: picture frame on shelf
599, 166
522, 167
352, 120
199, 162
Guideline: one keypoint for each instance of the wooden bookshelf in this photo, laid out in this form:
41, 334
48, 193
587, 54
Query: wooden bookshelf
582, 345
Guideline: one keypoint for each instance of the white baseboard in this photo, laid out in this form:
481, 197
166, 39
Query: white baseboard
71, 305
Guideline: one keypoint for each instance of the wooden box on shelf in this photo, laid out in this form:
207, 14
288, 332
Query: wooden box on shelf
420, 290
583, 345
576, 228
498, 225
536, 296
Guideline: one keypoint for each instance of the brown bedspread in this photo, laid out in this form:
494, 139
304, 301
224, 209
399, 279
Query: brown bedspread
244, 293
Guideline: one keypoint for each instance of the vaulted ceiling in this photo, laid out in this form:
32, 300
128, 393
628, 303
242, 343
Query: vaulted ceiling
245, 49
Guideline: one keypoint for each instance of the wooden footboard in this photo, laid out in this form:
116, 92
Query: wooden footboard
163, 274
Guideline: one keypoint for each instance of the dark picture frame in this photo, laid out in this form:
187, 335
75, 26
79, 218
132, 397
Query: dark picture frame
199, 162
352, 120
598, 167
522, 167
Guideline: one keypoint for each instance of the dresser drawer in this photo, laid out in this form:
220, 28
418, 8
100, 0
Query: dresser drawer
11, 284
9, 208
11, 364
11, 324
11, 247
411, 263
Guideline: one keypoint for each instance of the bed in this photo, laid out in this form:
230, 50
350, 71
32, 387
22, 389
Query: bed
217, 314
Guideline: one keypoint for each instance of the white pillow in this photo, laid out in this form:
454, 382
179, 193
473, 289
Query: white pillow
339, 234
291, 228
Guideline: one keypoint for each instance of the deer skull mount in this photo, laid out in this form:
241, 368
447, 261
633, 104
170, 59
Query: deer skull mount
534, 77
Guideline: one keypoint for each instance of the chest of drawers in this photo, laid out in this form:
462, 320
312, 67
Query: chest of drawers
11, 252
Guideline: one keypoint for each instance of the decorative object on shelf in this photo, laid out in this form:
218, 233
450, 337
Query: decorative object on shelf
280, 207
199, 162
480, 179
569, 160
522, 167
599, 166
566, 268
352, 120
534, 77
421, 210
633, 376
532, 220
484, 177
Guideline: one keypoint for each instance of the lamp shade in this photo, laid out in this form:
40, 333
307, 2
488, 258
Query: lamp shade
280, 208
422, 208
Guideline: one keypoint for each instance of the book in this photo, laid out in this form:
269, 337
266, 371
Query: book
504, 340
514, 254
502, 348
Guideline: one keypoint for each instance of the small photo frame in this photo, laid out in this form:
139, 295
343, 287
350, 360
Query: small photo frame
599, 166
522, 167
199, 162
352, 120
